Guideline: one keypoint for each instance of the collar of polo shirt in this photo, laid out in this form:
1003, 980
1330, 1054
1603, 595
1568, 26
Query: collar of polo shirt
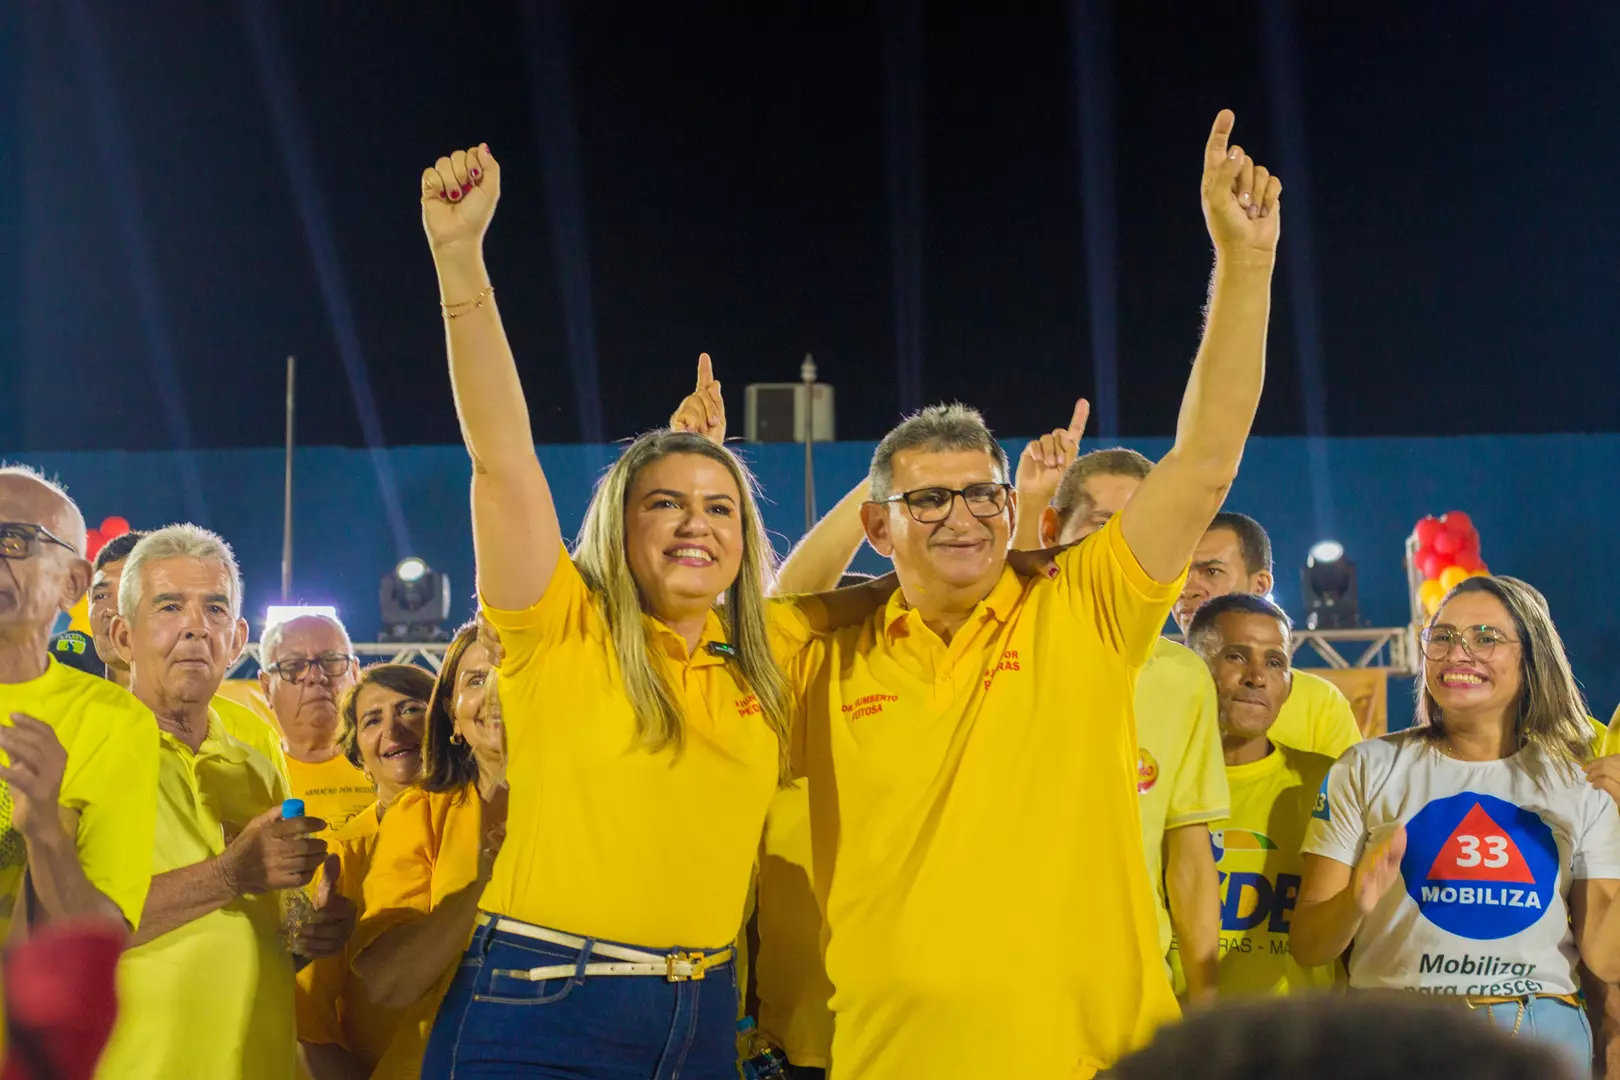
673, 645
998, 605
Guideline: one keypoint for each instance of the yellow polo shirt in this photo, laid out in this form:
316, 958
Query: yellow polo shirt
212, 998
597, 824
246, 726
426, 849
1257, 852
110, 783
330, 1000
790, 973
975, 826
333, 790
1316, 717
1180, 773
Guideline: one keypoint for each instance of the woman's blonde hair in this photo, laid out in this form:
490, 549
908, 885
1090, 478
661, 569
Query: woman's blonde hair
604, 563
1552, 713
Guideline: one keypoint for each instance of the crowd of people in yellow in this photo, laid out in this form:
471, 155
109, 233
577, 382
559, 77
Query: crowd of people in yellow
976, 818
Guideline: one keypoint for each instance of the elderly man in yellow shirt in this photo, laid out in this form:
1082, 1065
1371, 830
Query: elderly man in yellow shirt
242, 722
1235, 556
208, 980
80, 763
306, 665
1180, 775
971, 748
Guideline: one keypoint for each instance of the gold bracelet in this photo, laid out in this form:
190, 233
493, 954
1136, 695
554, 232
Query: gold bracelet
455, 311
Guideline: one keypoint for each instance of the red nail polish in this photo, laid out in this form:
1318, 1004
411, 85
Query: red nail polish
455, 193
476, 174
466, 188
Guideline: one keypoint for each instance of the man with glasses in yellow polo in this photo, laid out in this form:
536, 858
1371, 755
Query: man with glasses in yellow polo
306, 666
971, 748
79, 768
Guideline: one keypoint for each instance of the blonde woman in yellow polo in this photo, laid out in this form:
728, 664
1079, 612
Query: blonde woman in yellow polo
646, 719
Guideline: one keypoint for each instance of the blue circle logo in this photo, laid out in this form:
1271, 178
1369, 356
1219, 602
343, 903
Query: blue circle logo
1478, 866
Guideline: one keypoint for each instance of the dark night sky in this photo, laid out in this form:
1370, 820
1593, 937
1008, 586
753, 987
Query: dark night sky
1462, 189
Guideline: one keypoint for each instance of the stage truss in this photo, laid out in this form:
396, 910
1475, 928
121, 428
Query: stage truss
1391, 648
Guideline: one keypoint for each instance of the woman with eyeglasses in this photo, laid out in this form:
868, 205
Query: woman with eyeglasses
433, 858
341, 1033
1468, 856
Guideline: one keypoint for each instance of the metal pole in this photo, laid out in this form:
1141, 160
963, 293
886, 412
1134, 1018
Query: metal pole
807, 375
287, 492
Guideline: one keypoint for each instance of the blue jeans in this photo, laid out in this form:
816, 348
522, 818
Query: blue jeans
1559, 1026
605, 1027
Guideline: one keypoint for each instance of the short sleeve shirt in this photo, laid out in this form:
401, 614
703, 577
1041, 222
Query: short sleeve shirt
1481, 906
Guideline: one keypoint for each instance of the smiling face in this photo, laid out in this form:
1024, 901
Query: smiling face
474, 681
183, 636
389, 731
962, 553
1464, 683
683, 532
1247, 654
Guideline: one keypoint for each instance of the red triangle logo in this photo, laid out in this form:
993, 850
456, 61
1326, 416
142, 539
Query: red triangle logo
1480, 850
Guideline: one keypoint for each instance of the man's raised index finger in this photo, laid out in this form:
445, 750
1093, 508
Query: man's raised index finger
705, 370
1077, 422
1219, 133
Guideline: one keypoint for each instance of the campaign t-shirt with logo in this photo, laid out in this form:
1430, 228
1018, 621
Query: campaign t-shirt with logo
1257, 854
1481, 906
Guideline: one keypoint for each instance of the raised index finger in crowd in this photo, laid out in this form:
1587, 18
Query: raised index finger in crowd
1216, 149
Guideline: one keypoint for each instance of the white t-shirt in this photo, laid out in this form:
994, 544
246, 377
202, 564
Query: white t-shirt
1480, 907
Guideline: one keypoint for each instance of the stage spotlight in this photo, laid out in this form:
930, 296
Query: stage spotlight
276, 614
1328, 583
415, 602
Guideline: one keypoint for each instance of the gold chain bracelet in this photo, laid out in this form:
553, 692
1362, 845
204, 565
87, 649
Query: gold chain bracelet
456, 311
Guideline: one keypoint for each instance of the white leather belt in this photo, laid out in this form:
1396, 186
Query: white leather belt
674, 966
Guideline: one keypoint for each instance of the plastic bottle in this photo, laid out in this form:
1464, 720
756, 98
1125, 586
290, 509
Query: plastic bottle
761, 1058
296, 906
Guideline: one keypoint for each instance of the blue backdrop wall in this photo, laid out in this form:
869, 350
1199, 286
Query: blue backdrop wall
1544, 506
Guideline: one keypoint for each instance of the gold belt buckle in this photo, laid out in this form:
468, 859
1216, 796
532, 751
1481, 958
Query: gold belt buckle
695, 959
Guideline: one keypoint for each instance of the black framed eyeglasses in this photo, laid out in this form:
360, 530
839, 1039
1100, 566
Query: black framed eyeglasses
332, 665
931, 505
1478, 642
21, 540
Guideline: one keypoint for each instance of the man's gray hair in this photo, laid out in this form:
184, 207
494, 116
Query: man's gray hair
177, 542
79, 540
270, 644
938, 428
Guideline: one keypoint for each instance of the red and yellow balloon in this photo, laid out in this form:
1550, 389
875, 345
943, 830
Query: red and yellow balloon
95, 539
1445, 553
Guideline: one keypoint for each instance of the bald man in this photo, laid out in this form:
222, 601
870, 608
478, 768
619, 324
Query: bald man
306, 666
79, 795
